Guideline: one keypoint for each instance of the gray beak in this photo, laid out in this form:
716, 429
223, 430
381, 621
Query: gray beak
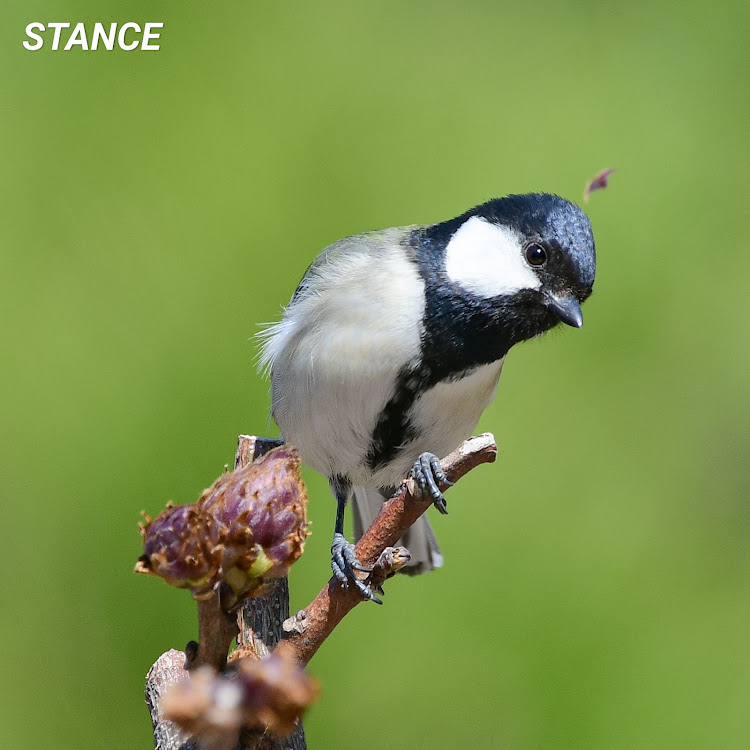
567, 309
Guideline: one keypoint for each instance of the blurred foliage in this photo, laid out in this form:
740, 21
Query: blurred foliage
158, 206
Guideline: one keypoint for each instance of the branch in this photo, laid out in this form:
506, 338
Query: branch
311, 626
216, 631
261, 617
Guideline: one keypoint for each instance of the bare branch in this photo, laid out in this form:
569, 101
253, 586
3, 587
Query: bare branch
261, 619
216, 631
312, 626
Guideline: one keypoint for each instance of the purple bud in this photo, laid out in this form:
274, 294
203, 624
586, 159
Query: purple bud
258, 519
249, 526
276, 692
272, 692
174, 548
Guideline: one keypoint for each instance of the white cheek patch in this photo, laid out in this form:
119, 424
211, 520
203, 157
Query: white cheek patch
488, 259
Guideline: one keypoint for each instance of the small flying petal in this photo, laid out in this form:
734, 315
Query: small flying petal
600, 181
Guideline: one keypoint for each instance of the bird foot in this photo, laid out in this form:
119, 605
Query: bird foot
344, 562
427, 472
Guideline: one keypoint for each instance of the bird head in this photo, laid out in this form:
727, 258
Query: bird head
532, 255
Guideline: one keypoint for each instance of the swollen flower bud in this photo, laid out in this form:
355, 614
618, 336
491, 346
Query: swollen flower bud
175, 548
276, 691
249, 526
257, 519
271, 693
207, 705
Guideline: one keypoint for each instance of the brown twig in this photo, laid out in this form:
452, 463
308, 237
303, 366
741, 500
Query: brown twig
216, 631
309, 630
261, 619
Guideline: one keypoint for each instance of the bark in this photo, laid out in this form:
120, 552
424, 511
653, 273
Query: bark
168, 669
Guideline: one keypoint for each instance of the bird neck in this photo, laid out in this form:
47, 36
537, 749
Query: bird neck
461, 330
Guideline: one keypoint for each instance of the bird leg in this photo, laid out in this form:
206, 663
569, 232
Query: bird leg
343, 560
427, 472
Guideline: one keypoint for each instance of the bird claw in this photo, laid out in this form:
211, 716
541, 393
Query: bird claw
427, 472
344, 562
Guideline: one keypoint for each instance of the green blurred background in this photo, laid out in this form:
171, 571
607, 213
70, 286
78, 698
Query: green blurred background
158, 206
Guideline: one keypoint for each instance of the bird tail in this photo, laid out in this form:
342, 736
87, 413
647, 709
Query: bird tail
420, 539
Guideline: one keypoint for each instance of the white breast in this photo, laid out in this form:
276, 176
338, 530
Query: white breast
444, 417
338, 350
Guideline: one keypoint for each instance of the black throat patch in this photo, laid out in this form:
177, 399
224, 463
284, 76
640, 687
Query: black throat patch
460, 332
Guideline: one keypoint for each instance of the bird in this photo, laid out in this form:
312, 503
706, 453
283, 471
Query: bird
394, 341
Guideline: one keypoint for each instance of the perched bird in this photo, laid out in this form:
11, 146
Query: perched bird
393, 344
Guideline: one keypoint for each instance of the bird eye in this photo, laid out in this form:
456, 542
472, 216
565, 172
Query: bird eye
535, 254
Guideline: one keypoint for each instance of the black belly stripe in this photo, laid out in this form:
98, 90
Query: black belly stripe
394, 429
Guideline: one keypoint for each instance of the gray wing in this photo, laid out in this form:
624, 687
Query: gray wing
366, 242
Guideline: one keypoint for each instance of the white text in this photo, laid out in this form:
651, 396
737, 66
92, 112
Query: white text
128, 37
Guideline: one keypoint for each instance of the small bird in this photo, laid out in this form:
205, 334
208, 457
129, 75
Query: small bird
394, 341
